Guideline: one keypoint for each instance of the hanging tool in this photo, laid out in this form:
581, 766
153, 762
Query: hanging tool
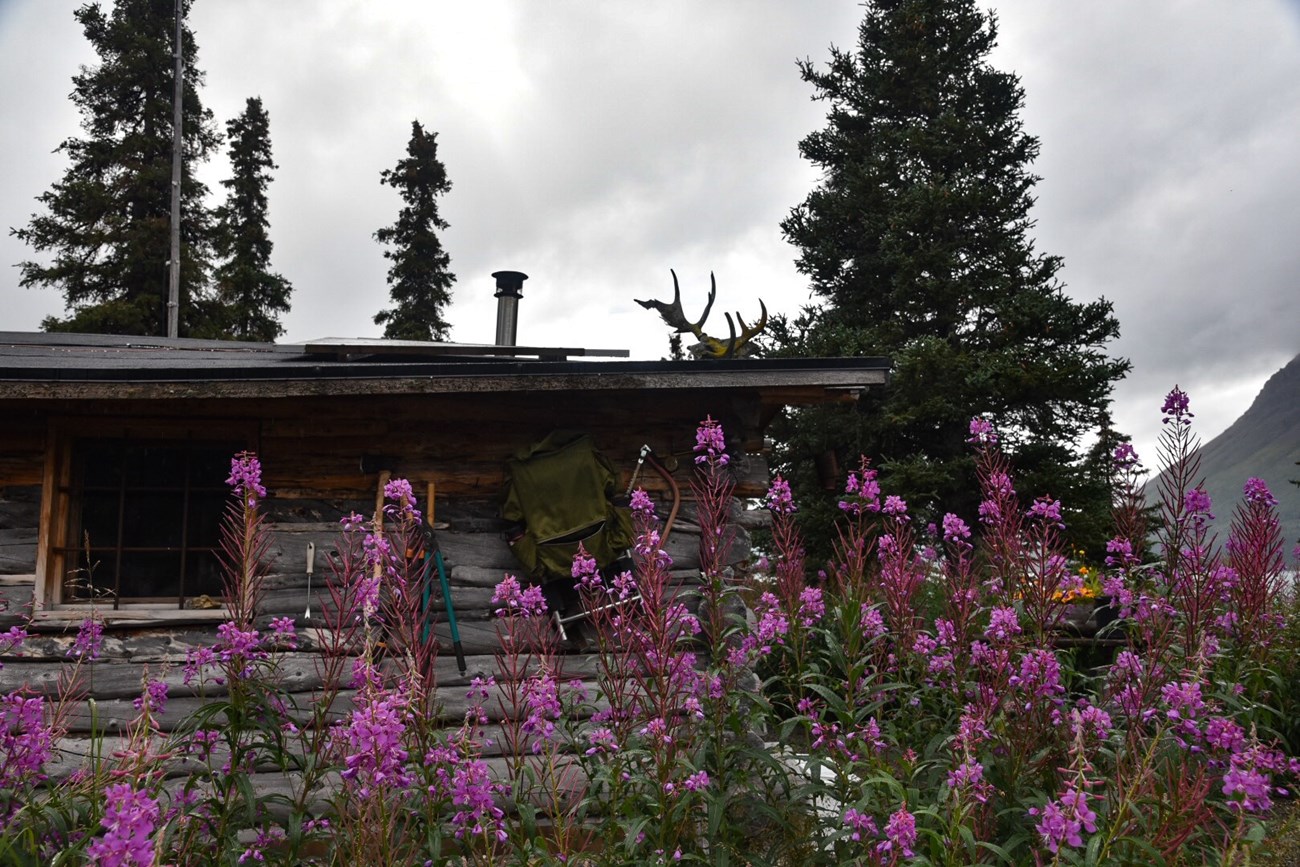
560, 622
311, 567
647, 456
433, 560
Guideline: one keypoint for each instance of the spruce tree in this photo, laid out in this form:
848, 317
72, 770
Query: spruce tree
916, 245
107, 222
250, 296
419, 278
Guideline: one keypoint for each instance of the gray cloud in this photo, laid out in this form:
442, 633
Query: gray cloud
597, 145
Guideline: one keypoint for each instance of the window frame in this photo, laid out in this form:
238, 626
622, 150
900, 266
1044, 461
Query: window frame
60, 495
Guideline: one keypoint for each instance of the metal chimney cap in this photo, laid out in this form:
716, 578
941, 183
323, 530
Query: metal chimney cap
510, 283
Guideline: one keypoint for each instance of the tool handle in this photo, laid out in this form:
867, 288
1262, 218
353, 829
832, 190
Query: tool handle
311, 557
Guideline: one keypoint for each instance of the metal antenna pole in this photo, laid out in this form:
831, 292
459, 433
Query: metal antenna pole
174, 271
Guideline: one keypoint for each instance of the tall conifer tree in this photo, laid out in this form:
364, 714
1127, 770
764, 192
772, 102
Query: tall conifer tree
107, 223
250, 296
419, 278
916, 242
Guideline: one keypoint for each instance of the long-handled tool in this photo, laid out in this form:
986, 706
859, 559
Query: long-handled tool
561, 622
311, 567
433, 560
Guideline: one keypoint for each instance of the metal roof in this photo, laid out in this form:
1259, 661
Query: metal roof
42, 365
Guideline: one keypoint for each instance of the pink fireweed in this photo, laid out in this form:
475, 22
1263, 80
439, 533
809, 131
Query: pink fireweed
513, 599
26, 742
371, 744
982, 432
710, 443
1175, 408
404, 503
154, 697
1064, 820
89, 641
859, 824
779, 498
861, 491
1004, 623
900, 834
130, 818
246, 478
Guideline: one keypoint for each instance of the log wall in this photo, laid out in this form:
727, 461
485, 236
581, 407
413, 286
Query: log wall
311, 452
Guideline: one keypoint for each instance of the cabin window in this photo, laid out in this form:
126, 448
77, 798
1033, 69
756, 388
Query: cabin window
137, 519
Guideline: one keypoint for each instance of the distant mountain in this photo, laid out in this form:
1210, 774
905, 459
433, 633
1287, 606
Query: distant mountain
1264, 442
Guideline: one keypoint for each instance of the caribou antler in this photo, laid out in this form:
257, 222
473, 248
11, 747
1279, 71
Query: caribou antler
673, 315
708, 347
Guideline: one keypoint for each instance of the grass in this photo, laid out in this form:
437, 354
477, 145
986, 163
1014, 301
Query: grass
1281, 847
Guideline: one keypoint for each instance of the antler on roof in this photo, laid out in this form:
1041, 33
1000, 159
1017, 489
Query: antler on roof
708, 347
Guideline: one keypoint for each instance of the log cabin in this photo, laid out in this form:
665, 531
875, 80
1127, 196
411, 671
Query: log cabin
114, 450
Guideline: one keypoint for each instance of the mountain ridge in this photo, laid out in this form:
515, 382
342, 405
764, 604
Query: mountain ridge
1264, 443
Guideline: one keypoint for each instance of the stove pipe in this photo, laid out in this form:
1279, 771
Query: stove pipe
510, 288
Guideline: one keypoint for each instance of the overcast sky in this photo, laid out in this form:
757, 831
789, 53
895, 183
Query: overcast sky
595, 145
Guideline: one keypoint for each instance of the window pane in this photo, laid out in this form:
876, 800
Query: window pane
98, 519
210, 465
205, 520
150, 574
153, 520
155, 466
203, 575
101, 464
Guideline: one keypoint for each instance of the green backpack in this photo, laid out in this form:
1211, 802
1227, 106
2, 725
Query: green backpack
560, 492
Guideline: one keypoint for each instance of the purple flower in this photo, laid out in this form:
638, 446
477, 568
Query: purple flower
1125, 456
642, 503
968, 777
859, 824
954, 528
371, 743
981, 432
585, 571
238, 648
1197, 502
1225, 734
861, 491
696, 782
1046, 509
779, 498
514, 599
473, 795
25, 740
246, 478
1089, 717
130, 818
399, 491
90, 638
1040, 675
1175, 408
1256, 491
871, 621
542, 698
602, 741
900, 833
710, 443
811, 606
11, 640
1248, 789
283, 631
1184, 700
894, 505
1004, 622
154, 695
